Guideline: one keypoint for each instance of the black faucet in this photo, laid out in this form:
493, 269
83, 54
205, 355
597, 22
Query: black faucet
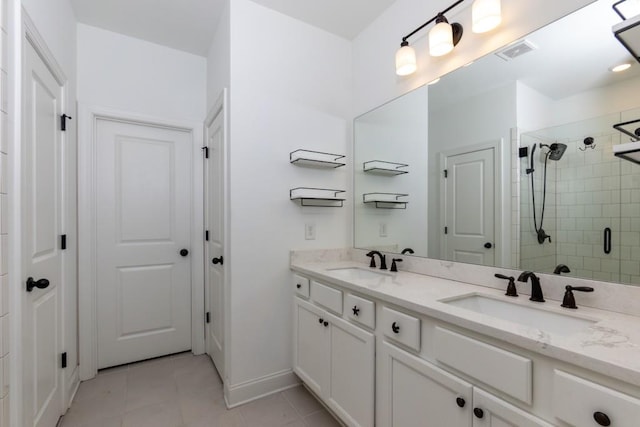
561, 268
536, 290
511, 288
407, 251
394, 267
569, 301
383, 260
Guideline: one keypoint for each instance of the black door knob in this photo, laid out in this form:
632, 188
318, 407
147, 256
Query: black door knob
601, 418
478, 412
40, 284
488, 245
460, 402
395, 328
184, 252
218, 260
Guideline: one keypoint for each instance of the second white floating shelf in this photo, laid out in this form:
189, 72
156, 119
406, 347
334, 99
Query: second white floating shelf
320, 197
316, 159
380, 167
385, 200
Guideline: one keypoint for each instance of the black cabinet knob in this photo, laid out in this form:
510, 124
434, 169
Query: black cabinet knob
218, 260
479, 413
460, 402
488, 245
184, 252
40, 284
601, 418
395, 328
320, 320
326, 323
298, 285
356, 310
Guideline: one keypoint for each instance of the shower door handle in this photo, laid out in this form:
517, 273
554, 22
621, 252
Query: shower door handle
607, 240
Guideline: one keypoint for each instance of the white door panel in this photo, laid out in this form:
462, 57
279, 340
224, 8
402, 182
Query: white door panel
470, 207
214, 223
42, 209
143, 210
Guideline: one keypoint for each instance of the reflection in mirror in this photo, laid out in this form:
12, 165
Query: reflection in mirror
390, 167
554, 87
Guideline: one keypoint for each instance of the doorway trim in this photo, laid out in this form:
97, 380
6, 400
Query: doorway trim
87, 243
499, 192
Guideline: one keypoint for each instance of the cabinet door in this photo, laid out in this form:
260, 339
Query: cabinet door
352, 369
489, 411
311, 346
416, 393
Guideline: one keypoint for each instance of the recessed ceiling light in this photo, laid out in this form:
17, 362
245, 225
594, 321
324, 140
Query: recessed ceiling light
432, 82
620, 67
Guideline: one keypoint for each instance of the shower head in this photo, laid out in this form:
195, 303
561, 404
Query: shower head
556, 150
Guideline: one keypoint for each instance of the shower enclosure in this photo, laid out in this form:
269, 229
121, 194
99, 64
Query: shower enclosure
587, 208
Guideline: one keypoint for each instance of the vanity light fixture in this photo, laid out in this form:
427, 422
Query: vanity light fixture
443, 37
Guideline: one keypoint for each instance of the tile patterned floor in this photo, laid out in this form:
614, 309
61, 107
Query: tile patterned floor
183, 391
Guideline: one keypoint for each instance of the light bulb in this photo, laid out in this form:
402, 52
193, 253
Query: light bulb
405, 60
486, 15
441, 39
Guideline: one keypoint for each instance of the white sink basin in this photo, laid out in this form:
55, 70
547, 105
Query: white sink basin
535, 317
355, 273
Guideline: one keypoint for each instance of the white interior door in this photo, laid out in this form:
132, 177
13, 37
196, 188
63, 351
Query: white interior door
470, 207
42, 219
214, 224
143, 203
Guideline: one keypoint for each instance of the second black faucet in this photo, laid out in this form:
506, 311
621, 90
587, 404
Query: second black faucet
383, 260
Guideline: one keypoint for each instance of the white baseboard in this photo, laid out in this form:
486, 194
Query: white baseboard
74, 384
239, 394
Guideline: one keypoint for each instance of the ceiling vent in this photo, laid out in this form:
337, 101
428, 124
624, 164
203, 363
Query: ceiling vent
517, 49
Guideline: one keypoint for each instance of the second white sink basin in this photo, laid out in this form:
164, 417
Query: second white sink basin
535, 317
355, 273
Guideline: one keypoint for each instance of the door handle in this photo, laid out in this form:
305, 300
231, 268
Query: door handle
40, 284
488, 245
184, 252
218, 260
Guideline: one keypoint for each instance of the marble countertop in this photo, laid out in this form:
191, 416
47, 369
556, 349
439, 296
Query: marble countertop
611, 346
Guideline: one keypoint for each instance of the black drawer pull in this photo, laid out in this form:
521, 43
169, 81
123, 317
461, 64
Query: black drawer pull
601, 418
395, 328
478, 412
326, 323
320, 320
460, 402
607, 244
298, 285
356, 310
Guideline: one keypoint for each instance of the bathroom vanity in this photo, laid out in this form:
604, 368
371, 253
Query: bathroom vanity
406, 349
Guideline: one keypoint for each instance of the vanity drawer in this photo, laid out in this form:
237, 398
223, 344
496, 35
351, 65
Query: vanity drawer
577, 401
360, 310
503, 370
301, 285
327, 297
401, 327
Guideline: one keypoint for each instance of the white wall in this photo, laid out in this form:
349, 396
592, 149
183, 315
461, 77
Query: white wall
374, 49
290, 89
219, 58
137, 76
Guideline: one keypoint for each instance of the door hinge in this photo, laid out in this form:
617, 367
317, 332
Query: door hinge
63, 242
208, 317
446, 174
63, 122
206, 235
206, 152
63, 360
446, 230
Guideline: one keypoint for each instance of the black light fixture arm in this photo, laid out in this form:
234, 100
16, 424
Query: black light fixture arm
440, 14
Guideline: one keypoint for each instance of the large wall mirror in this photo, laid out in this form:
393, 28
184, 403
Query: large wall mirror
510, 161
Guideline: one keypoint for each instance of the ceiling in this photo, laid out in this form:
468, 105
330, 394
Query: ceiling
189, 25
573, 55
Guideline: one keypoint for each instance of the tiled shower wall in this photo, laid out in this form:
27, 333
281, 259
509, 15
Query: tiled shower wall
588, 190
4, 285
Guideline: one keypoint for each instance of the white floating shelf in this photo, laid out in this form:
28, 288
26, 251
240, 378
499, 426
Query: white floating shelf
380, 167
385, 200
316, 159
320, 197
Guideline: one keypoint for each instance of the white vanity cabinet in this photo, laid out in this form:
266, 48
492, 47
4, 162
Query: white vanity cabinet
414, 392
337, 362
